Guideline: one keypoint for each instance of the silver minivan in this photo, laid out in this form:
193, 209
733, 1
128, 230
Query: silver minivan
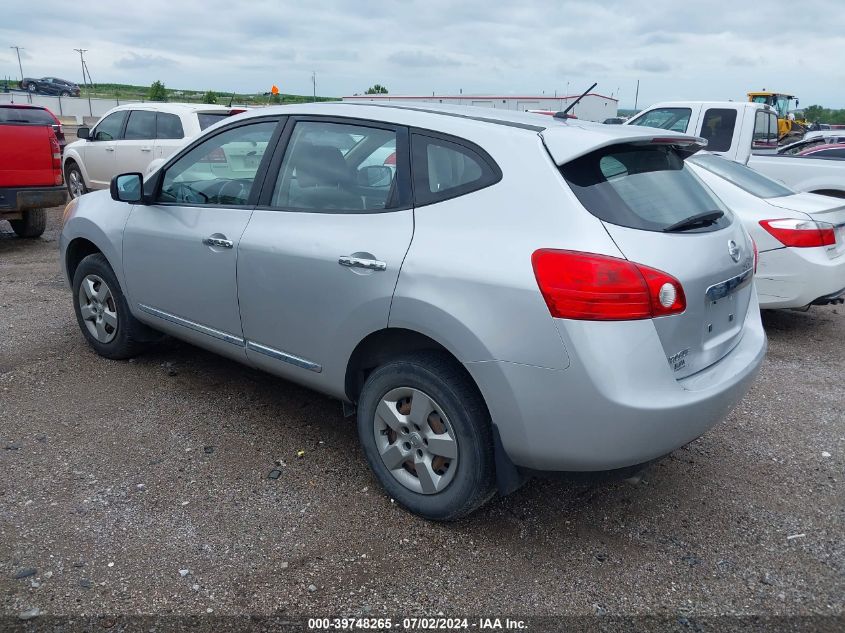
493, 293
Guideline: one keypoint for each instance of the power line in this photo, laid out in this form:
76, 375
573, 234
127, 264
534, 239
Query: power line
18, 50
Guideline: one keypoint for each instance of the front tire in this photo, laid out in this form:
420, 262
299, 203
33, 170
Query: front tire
33, 223
73, 179
102, 311
31, 87
426, 433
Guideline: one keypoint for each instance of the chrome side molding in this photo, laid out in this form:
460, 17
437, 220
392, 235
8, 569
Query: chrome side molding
193, 325
298, 361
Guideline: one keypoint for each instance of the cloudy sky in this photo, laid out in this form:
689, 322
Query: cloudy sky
692, 49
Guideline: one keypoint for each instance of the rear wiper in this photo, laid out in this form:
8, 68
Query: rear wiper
699, 219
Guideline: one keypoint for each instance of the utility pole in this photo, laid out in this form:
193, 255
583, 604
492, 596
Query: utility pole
81, 52
18, 50
637, 96
314, 83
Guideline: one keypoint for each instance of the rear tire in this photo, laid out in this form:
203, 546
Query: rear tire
31, 87
453, 421
64, 93
73, 180
32, 224
107, 324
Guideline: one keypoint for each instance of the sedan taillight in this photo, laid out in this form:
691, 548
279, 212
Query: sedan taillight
800, 233
592, 287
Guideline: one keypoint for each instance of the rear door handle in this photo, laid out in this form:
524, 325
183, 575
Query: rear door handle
357, 262
218, 241
146, 149
109, 149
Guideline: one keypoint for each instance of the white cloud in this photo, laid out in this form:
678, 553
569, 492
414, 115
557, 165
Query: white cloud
714, 50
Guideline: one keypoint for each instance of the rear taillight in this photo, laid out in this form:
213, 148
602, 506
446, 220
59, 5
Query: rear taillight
57, 159
214, 156
800, 233
594, 287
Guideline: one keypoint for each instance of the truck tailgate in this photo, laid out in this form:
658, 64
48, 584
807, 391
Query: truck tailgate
26, 156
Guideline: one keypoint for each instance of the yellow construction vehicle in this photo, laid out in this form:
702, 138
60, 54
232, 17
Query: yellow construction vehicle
791, 120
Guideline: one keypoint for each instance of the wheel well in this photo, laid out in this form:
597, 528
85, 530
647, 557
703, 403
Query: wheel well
835, 193
77, 250
381, 346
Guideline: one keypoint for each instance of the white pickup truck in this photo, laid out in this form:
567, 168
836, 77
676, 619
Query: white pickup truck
746, 133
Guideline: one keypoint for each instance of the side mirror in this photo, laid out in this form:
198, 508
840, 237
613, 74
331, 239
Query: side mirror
127, 188
83, 132
375, 176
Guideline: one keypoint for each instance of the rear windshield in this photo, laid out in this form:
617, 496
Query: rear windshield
641, 187
35, 116
743, 177
207, 119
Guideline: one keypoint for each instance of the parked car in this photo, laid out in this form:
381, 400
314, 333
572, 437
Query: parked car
50, 86
800, 236
130, 137
747, 133
30, 168
619, 322
797, 147
825, 150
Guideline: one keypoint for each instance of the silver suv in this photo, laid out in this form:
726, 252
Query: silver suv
495, 293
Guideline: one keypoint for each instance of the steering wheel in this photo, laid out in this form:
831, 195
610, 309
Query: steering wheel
241, 194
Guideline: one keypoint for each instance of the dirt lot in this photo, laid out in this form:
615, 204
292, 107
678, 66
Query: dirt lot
142, 487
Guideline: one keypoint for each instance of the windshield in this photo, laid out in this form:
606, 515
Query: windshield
641, 187
743, 177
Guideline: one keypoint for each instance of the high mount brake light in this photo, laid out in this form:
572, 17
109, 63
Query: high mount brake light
592, 287
800, 233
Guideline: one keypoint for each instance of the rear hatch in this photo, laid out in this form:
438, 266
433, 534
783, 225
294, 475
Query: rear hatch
820, 208
640, 189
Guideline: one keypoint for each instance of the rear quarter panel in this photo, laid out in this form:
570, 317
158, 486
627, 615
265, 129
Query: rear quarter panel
467, 280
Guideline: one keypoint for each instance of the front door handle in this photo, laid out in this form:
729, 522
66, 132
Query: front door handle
146, 149
358, 262
222, 242
109, 149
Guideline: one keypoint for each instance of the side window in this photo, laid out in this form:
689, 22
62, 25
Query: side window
830, 153
109, 128
718, 128
141, 125
675, 119
444, 169
765, 131
337, 166
168, 126
220, 170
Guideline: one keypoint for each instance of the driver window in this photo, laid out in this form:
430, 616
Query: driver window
334, 166
219, 171
109, 128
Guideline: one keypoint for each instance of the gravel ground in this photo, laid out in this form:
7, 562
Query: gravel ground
142, 487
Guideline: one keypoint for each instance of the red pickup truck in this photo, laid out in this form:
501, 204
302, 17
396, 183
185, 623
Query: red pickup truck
30, 170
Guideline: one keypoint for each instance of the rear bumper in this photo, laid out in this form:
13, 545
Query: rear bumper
798, 277
22, 198
618, 404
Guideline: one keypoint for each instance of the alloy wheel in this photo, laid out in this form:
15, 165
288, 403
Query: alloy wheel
74, 183
415, 440
98, 308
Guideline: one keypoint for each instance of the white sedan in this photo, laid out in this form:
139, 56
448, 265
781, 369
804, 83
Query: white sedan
800, 236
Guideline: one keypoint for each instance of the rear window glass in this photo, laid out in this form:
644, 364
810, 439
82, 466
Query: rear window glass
168, 126
743, 177
35, 116
443, 169
675, 119
207, 119
718, 128
641, 187
765, 131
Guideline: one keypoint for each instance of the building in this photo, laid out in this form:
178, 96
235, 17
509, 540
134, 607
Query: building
593, 107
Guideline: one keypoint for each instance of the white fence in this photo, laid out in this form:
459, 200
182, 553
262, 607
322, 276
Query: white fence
77, 107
